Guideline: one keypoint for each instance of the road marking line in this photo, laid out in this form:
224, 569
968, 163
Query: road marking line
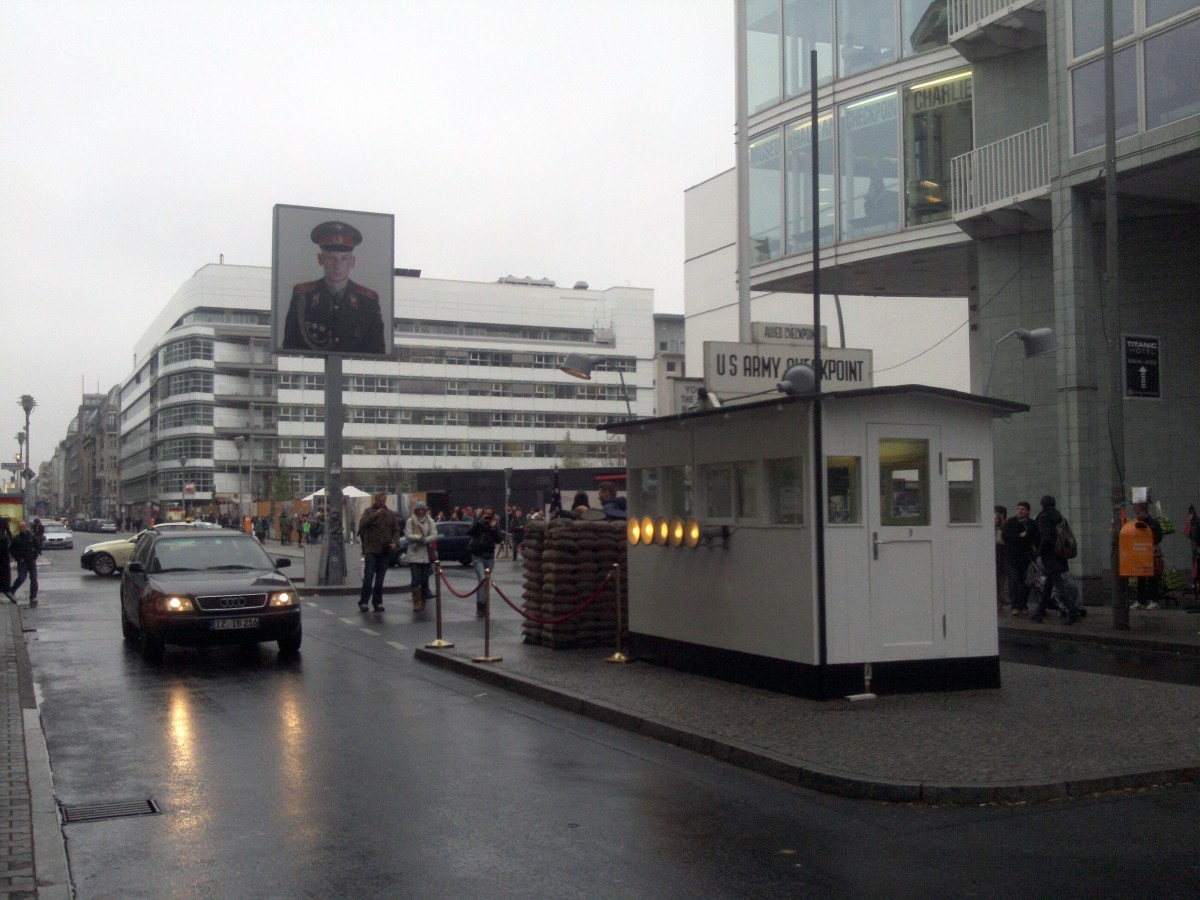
369, 631
397, 646
349, 621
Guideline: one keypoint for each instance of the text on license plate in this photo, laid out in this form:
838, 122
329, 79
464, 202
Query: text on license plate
223, 624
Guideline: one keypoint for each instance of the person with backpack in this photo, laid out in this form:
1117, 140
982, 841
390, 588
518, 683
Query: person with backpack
1056, 545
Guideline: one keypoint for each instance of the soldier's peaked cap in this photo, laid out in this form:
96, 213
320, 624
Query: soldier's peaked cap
336, 236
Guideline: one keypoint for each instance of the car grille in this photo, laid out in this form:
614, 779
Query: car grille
227, 602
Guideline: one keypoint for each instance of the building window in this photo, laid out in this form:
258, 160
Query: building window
677, 491
843, 488
718, 492
923, 25
807, 26
937, 128
1172, 73
866, 31
766, 214
798, 187
785, 490
963, 478
868, 157
1161, 10
1087, 24
762, 54
1087, 99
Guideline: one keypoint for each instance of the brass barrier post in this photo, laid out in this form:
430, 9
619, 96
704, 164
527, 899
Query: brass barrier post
487, 622
618, 657
438, 644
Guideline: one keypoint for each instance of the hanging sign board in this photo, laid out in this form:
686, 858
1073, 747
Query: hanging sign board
785, 333
731, 370
1142, 366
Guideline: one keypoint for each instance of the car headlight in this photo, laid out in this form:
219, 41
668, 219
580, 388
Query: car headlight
174, 604
283, 598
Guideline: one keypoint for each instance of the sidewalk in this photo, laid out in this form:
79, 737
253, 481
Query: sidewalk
1045, 733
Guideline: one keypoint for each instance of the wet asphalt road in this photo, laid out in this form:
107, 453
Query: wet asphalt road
356, 772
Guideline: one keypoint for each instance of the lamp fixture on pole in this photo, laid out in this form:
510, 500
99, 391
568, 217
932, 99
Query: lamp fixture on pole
27, 403
1037, 341
580, 365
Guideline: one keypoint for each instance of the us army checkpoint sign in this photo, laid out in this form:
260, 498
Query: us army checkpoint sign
731, 370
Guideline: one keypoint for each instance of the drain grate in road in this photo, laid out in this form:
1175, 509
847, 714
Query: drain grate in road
115, 809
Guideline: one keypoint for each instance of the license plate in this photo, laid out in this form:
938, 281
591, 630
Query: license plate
223, 624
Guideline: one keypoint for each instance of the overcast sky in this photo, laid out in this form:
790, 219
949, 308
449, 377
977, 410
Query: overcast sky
142, 140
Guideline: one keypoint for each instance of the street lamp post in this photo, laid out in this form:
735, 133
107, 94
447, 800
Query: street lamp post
183, 461
27, 403
580, 365
239, 442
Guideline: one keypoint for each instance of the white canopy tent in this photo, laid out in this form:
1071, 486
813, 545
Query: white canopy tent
349, 492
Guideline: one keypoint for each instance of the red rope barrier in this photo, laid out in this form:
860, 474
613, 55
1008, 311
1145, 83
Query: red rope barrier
572, 614
446, 582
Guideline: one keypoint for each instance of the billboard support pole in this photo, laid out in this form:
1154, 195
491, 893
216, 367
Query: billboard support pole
334, 555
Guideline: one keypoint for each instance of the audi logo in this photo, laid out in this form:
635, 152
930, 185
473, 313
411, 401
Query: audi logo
232, 602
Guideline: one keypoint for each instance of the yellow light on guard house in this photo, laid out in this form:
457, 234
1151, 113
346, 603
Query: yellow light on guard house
647, 530
660, 531
633, 531
691, 533
675, 531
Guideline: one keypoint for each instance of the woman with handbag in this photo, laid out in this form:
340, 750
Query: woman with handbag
421, 533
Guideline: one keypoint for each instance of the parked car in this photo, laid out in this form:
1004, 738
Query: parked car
206, 586
107, 526
108, 557
57, 537
452, 544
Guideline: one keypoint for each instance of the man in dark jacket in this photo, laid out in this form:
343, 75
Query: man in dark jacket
25, 550
5, 569
1021, 544
1053, 564
485, 537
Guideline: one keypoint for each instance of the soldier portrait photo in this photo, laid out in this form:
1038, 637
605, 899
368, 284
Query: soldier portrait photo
333, 314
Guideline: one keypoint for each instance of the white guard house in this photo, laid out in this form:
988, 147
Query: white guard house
909, 599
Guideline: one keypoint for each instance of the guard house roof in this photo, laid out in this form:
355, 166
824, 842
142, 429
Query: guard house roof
999, 408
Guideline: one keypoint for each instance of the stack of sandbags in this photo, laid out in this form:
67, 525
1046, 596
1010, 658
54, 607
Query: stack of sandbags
567, 561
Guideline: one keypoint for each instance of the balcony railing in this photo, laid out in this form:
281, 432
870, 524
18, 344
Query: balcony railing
1003, 173
964, 14
979, 29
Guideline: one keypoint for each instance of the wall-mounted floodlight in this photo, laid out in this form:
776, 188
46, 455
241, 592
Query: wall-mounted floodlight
798, 379
1037, 341
580, 365
660, 531
675, 532
647, 530
691, 533
633, 531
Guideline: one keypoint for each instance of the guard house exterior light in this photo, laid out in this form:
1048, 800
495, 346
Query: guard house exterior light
580, 365
1037, 341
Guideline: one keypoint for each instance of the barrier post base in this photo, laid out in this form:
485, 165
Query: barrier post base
618, 657
486, 659
439, 644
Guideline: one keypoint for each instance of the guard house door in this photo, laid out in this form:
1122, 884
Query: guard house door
907, 595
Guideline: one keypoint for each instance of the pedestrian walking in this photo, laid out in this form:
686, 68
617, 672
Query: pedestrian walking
1054, 538
484, 536
1021, 542
25, 550
379, 531
5, 568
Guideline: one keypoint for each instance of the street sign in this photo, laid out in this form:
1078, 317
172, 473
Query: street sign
785, 333
731, 370
1142, 366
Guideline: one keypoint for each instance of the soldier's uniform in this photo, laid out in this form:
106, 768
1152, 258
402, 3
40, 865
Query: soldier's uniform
321, 321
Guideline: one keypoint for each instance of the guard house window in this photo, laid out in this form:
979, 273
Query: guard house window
644, 484
962, 476
677, 491
903, 481
866, 31
868, 156
718, 492
843, 490
785, 490
745, 482
937, 128
766, 213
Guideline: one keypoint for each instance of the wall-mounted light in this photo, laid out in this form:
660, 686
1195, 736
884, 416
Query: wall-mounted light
580, 365
675, 531
647, 530
1037, 341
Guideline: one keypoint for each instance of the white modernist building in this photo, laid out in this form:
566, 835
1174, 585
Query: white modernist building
209, 416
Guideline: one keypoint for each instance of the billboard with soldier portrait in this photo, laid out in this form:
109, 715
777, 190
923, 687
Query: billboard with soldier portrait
331, 282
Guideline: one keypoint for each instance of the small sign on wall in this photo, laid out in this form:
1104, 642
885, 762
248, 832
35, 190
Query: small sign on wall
1142, 364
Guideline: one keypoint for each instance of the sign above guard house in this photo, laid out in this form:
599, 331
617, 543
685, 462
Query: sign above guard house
785, 333
732, 370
